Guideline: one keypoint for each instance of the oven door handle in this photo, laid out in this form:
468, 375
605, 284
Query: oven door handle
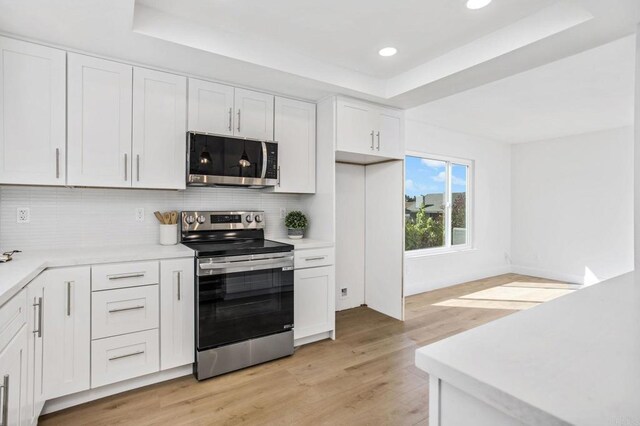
218, 268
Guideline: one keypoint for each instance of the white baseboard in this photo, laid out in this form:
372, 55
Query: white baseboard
314, 338
550, 275
463, 278
104, 391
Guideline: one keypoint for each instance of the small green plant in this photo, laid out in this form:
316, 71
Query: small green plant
296, 220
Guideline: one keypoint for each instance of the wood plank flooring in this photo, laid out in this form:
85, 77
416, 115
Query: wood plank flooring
365, 377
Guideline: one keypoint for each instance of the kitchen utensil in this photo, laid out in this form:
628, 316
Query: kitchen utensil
159, 217
174, 218
167, 218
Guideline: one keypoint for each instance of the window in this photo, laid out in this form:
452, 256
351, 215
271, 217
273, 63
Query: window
437, 203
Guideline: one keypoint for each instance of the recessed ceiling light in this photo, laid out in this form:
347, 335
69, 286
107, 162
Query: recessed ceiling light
477, 4
388, 51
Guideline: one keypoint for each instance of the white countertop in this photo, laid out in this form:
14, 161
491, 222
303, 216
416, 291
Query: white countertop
26, 266
304, 243
574, 360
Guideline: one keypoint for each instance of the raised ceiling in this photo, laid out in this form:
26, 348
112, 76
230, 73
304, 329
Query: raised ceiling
310, 49
587, 92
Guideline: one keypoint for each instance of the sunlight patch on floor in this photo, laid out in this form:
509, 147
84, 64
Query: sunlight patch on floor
513, 296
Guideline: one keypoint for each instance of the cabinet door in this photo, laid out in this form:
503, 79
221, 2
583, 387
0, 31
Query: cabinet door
254, 115
314, 301
389, 136
176, 313
159, 129
32, 114
36, 332
13, 380
295, 132
99, 120
67, 331
356, 127
210, 107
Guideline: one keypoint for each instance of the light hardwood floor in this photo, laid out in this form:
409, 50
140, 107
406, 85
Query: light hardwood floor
365, 377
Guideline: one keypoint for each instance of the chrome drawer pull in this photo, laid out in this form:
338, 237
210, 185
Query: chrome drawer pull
133, 308
122, 276
39, 305
126, 356
5, 401
309, 259
179, 285
68, 298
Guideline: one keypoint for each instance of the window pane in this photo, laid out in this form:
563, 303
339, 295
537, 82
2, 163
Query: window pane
459, 181
425, 183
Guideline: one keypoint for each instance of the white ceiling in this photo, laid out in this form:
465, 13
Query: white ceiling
588, 92
349, 33
311, 49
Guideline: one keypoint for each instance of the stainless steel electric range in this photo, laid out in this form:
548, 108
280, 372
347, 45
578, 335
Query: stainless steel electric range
244, 291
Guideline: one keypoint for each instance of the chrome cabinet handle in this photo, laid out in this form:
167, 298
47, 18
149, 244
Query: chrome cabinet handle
179, 285
378, 135
5, 401
57, 163
278, 176
39, 305
310, 259
132, 308
123, 276
238, 119
138, 167
372, 144
230, 117
68, 298
125, 167
126, 356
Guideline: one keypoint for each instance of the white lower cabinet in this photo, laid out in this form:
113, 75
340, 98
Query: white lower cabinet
314, 303
124, 357
13, 361
67, 331
125, 310
35, 376
177, 321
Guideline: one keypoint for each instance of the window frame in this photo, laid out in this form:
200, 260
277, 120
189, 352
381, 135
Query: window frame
469, 198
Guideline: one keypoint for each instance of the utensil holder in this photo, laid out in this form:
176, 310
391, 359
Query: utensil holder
168, 235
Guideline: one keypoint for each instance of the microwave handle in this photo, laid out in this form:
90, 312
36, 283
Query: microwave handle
264, 160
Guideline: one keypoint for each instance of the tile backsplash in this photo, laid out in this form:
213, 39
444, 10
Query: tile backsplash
85, 217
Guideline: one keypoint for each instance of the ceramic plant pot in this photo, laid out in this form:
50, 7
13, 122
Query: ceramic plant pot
296, 234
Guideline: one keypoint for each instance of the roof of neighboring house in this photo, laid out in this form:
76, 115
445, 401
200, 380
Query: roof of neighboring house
433, 203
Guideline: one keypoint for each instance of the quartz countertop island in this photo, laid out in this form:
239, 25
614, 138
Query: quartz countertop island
571, 361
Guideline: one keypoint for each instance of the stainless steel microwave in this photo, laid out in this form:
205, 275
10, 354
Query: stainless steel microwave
216, 160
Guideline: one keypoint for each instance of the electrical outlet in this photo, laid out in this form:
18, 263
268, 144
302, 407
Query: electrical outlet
343, 292
283, 212
140, 214
24, 215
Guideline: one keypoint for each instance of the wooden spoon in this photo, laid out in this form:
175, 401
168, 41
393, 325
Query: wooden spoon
167, 218
159, 217
174, 218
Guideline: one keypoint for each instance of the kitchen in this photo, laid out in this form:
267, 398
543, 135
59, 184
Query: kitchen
154, 189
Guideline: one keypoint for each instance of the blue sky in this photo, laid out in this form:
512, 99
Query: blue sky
428, 176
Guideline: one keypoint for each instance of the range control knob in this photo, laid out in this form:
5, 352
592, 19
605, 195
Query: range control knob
201, 219
190, 219
258, 218
249, 218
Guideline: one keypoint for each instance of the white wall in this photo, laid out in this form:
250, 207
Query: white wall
491, 209
572, 206
637, 156
82, 217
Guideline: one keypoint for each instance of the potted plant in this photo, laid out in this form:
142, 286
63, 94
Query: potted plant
296, 222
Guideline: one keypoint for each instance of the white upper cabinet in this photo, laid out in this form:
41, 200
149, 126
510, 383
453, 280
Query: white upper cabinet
254, 115
32, 114
210, 107
99, 122
159, 129
295, 132
369, 130
176, 313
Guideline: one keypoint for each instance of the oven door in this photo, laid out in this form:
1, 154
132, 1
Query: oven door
223, 160
241, 299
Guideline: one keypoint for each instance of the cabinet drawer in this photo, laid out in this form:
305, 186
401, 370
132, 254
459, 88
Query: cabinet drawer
120, 275
313, 257
13, 315
124, 310
124, 357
